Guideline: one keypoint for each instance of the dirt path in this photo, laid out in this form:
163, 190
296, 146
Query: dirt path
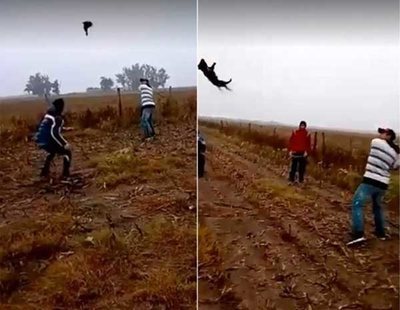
284, 246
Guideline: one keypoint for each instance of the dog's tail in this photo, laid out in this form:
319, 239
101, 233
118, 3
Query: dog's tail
227, 82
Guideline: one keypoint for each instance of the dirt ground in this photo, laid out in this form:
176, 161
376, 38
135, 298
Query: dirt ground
267, 245
121, 234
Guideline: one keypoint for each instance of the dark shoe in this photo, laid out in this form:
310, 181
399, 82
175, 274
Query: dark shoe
44, 173
302, 184
146, 139
382, 237
43, 178
356, 238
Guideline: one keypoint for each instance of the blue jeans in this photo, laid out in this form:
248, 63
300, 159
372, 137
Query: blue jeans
365, 191
146, 121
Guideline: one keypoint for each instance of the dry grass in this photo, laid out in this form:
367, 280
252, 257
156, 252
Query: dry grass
210, 254
118, 168
274, 189
18, 120
50, 261
63, 253
34, 239
33, 108
26, 243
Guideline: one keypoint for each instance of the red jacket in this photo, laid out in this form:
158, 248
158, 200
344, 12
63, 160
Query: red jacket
300, 141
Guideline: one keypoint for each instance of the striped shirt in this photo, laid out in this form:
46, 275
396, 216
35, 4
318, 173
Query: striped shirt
146, 95
382, 158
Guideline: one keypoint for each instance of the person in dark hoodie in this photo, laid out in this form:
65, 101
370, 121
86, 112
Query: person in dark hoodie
201, 152
49, 138
299, 148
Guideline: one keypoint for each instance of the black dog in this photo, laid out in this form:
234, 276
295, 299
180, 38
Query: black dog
210, 74
86, 26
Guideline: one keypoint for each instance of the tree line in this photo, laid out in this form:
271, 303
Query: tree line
129, 79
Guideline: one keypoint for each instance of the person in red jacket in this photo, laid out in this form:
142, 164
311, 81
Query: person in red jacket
299, 148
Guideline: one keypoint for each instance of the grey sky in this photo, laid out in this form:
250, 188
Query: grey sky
333, 63
47, 36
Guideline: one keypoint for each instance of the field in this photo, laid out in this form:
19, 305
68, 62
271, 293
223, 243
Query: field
122, 233
267, 245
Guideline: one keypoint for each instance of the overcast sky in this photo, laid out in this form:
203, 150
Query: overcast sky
332, 63
47, 36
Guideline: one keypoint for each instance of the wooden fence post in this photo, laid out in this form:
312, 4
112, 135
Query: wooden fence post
249, 127
170, 91
119, 102
314, 149
323, 150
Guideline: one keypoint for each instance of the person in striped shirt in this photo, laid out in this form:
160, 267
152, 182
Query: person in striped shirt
147, 108
383, 157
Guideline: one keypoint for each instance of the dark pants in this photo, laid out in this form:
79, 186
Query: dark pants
53, 150
201, 164
147, 121
299, 163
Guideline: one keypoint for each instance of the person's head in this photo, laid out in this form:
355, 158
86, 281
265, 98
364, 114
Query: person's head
144, 81
387, 134
303, 125
58, 106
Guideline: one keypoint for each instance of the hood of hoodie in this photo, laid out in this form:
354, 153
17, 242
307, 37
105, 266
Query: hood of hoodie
302, 131
57, 107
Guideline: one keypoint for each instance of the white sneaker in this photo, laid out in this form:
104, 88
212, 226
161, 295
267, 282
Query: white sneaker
386, 237
356, 241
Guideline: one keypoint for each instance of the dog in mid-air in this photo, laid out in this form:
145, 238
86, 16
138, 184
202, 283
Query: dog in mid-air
86, 25
211, 76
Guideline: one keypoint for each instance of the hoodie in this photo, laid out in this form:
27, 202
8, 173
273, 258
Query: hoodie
201, 144
50, 127
300, 141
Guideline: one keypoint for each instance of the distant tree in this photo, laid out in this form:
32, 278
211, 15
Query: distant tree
106, 83
93, 89
56, 87
121, 79
130, 76
40, 85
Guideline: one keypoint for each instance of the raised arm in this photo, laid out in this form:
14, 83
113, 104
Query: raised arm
396, 164
48, 101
